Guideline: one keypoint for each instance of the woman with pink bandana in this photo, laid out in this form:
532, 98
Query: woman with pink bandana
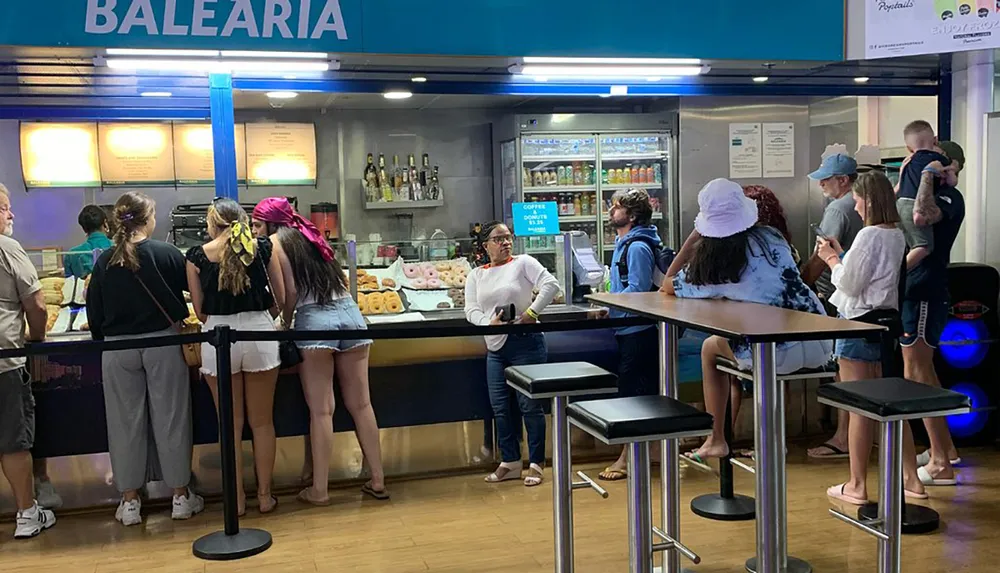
316, 294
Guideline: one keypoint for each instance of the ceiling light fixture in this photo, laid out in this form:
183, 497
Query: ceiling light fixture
275, 55
282, 95
653, 79
619, 90
616, 61
608, 72
760, 79
861, 80
418, 79
397, 94
156, 94
135, 52
219, 66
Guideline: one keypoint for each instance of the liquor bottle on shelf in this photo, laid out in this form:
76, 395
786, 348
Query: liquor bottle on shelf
434, 192
405, 186
383, 180
425, 173
370, 180
416, 191
397, 175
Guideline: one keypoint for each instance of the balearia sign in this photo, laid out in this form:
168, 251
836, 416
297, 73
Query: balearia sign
910, 27
288, 19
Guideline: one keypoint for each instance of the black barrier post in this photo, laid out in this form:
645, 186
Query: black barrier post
232, 543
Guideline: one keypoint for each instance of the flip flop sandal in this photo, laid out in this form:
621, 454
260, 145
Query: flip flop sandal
927, 479
914, 495
304, 498
381, 495
837, 492
265, 508
835, 453
534, 476
925, 458
611, 474
503, 473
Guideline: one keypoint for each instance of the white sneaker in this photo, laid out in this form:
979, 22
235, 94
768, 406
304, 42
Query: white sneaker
47, 496
129, 512
31, 522
187, 506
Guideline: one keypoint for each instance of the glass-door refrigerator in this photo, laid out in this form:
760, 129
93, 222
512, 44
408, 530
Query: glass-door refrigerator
579, 161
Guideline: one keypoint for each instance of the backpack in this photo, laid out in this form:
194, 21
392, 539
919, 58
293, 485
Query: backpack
662, 258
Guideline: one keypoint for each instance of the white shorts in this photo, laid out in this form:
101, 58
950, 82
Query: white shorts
244, 356
794, 356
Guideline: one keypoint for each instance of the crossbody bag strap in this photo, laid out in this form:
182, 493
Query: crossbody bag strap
170, 321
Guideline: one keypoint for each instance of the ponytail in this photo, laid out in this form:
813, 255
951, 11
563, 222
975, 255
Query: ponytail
241, 247
132, 213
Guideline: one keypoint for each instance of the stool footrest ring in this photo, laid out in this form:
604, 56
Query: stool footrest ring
588, 482
704, 468
871, 527
743, 466
671, 544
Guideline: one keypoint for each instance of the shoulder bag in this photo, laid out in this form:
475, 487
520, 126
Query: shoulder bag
288, 351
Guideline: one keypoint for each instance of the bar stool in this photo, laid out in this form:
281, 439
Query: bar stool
636, 421
559, 381
727, 505
891, 402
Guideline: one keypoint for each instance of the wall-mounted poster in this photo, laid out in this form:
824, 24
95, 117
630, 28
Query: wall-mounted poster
744, 150
911, 27
60, 155
194, 155
778, 150
136, 154
281, 153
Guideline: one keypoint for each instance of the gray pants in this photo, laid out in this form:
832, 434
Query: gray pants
148, 391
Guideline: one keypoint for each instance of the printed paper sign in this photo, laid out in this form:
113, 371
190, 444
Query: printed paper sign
744, 150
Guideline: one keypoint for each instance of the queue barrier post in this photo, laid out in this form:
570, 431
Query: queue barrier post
232, 542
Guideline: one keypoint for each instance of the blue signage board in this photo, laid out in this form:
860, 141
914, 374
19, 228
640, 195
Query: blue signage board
726, 29
535, 219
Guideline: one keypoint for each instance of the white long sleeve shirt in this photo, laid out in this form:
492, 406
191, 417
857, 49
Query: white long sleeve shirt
489, 287
868, 277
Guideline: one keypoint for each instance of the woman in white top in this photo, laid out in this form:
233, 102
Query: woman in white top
317, 296
867, 281
509, 280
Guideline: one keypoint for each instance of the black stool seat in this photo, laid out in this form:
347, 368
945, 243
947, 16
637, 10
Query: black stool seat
638, 419
893, 398
828, 368
561, 378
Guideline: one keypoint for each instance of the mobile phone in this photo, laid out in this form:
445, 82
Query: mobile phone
816, 231
506, 312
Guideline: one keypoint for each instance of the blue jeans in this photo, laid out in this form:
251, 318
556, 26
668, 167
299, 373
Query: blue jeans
519, 350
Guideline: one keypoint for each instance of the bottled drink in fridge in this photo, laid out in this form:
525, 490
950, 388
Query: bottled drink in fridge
604, 176
585, 204
526, 177
561, 175
627, 174
538, 178
577, 205
642, 174
577, 174
657, 175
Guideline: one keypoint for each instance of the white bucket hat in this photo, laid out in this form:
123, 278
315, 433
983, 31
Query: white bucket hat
724, 210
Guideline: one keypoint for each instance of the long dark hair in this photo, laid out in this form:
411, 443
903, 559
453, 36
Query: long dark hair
132, 213
314, 277
721, 261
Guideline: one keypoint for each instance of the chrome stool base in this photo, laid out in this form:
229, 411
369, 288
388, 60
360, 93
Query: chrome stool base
794, 565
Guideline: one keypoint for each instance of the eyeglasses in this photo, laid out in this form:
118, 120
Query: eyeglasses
501, 239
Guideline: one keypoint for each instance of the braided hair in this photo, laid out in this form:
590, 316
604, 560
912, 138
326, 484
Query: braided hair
769, 211
483, 237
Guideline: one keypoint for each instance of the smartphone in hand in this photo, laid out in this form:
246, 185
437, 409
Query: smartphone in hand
506, 312
819, 233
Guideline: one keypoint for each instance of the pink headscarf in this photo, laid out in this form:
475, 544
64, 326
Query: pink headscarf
279, 211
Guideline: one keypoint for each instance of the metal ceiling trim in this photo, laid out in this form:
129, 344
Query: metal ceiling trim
95, 113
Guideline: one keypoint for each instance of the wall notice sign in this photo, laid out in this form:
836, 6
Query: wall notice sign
60, 155
136, 153
535, 219
281, 153
910, 27
779, 150
194, 154
744, 150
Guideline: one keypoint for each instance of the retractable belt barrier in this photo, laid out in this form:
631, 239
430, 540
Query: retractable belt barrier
232, 542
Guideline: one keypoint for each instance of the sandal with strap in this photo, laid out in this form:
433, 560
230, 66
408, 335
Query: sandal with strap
534, 476
504, 473
612, 474
379, 494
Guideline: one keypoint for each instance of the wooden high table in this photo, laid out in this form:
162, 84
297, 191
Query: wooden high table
762, 326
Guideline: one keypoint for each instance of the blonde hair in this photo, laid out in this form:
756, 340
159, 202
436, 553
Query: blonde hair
229, 217
132, 212
880, 199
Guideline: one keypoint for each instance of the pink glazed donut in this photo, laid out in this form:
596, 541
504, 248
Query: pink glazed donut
411, 271
433, 283
419, 283
430, 273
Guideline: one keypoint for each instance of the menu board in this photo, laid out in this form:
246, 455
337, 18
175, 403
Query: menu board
194, 153
136, 154
281, 153
60, 155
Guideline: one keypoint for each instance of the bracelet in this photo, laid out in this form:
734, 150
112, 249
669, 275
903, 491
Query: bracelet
828, 260
531, 313
931, 170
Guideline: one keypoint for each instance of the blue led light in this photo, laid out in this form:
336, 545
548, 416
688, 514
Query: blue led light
968, 425
964, 355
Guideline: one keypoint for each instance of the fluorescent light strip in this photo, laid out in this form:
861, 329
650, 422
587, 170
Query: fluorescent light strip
162, 53
275, 55
156, 94
286, 66
625, 61
595, 72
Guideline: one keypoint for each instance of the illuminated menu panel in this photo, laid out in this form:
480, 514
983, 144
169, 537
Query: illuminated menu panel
194, 154
60, 155
281, 153
136, 154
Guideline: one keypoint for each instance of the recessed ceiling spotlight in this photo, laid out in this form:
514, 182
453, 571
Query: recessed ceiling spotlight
282, 95
418, 79
397, 94
653, 79
760, 79
861, 80
156, 94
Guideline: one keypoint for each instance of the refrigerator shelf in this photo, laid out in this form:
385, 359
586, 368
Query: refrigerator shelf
556, 158
560, 189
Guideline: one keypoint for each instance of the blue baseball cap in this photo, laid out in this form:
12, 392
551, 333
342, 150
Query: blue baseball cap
834, 166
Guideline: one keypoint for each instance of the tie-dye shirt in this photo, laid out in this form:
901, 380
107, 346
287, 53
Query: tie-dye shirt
771, 277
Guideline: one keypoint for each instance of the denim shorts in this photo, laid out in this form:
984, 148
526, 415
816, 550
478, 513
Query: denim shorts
858, 349
338, 314
923, 319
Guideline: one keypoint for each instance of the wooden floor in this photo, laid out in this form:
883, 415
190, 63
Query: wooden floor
460, 524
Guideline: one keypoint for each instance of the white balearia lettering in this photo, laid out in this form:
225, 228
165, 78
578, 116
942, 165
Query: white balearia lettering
241, 18
101, 18
200, 13
276, 14
140, 13
330, 20
170, 25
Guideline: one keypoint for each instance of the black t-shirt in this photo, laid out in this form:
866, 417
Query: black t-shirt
928, 281
217, 303
117, 303
909, 178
